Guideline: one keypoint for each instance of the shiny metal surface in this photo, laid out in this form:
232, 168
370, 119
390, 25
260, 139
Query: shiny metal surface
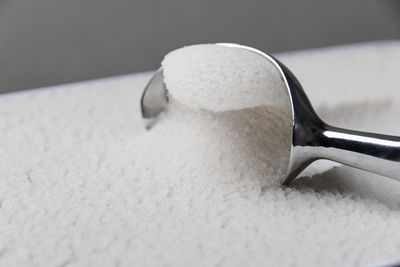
312, 139
154, 99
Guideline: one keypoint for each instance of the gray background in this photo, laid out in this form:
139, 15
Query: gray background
46, 42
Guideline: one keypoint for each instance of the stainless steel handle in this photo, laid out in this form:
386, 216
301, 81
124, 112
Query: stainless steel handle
372, 152
314, 139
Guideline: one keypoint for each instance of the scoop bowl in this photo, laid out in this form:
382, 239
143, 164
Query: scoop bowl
312, 139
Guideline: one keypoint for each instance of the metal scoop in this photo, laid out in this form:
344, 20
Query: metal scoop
312, 139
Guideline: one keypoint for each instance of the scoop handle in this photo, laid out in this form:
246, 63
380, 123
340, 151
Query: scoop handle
372, 152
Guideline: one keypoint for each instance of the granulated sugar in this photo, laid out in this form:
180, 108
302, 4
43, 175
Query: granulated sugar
223, 79
219, 78
83, 184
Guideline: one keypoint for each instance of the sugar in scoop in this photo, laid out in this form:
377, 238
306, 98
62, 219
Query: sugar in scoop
220, 78
234, 99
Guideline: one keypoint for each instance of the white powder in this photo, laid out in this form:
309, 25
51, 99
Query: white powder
220, 78
225, 79
83, 184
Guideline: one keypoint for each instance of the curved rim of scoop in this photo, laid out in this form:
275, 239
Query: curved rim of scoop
275, 63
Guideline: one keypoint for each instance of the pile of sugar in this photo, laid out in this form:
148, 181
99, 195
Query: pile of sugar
82, 183
251, 101
220, 78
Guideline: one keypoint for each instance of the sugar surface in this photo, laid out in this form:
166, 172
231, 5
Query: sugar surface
82, 183
219, 78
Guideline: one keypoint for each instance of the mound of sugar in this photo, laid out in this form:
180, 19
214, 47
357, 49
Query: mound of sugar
83, 184
223, 79
220, 78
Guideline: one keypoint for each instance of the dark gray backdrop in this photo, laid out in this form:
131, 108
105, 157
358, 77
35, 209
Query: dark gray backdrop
45, 42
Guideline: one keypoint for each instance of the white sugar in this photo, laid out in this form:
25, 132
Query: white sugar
220, 78
83, 184
217, 78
